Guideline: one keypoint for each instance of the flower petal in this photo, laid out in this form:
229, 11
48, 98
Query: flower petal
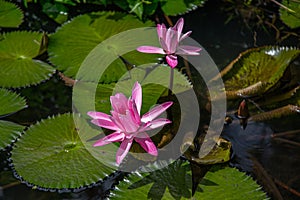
98, 115
163, 45
114, 137
123, 150
173, 44
178, 28
145, 141
188, 50
172, 60
115, 119
150, 49
156, 111
161, 31
134, 112
168, 40
128, 122
187, 34
137, 96
106, 124
158, 123
119, 103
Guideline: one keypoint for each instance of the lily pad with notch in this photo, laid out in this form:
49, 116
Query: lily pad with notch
18, 52
10, 103
71, 43
175, 182
51, 155
175, 7
10, 15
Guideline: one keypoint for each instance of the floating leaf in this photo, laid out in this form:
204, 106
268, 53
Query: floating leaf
290, 14
175, 182
9, 131
51, 154
17, 53
10, 14
10, 102
56, 11
257, 70
70, 45
177, 7
154, 84
142, 8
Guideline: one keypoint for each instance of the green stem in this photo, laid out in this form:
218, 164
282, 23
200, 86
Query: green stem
171, 82
169, 111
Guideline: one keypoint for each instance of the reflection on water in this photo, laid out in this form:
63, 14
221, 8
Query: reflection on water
256, 137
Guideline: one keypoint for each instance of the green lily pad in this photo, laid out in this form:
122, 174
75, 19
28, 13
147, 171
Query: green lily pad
142, 8
10, 102
17, 59
154, 84
290, 16
175, 182
178, 7
9, 132
257, 70
10, 15
52, 155
70, 45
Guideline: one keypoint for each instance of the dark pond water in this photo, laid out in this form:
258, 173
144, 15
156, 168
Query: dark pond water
279, 159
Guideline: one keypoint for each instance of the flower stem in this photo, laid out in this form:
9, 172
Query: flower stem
169, 111
171, 81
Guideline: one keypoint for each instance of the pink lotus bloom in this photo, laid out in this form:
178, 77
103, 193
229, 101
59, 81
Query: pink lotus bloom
125, 120
170, 42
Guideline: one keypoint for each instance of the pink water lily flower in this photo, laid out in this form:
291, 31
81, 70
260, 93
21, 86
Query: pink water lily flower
127, 124
170, 42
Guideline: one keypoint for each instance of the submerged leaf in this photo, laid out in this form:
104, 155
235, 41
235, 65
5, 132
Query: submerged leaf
10, 14
17, 53
219, 154
257, 70
51, 154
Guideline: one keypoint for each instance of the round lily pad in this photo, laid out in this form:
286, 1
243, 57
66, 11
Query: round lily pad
175, 182
17, 59
10, 14
10, 102
71, 43
51, 155
9, 132
177, 7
